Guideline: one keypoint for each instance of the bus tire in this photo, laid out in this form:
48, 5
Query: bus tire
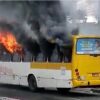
32, 83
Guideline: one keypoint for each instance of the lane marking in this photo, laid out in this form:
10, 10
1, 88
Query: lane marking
71, 98
75, 98
6, 98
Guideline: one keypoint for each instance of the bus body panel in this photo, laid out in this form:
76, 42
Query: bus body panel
89, 70
53, 74
14, 72
46, 74
88, 66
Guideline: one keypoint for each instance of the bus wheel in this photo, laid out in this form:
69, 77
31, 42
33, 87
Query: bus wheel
32, 83
63, 90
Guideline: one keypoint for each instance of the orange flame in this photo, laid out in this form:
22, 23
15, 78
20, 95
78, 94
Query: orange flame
9, 42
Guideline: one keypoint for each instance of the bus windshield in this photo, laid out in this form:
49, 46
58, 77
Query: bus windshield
88, 46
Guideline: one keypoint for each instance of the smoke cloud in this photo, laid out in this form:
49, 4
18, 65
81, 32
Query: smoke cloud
37, 25
44, 26
78, 11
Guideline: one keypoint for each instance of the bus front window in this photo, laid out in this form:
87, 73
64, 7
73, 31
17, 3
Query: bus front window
88, 46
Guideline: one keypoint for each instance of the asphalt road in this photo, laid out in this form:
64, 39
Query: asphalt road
23, 93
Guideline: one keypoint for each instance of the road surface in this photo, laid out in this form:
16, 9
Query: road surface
10, 92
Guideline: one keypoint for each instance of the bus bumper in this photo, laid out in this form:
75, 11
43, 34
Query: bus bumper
77, 83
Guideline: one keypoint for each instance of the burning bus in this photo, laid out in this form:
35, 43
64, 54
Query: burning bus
80, 69
36, 50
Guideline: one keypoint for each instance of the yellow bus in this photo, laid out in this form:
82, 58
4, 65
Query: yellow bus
83, 68
85, 61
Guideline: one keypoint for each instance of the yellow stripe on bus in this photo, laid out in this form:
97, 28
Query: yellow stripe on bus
49, 65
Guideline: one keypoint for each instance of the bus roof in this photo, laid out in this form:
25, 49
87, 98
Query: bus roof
87, 35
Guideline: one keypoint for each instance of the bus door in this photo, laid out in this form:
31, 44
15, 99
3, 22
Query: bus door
87, 70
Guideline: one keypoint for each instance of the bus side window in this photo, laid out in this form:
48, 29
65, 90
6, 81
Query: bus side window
16, 58
40, 57
27, 56
5, 56
64, 53
54, 56
69, 53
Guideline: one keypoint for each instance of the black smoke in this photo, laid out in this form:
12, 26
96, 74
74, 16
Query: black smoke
36, 24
